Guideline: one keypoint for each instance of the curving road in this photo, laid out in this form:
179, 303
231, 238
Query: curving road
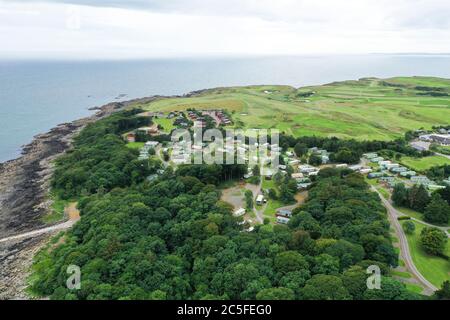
443, 155
393, 214
70, 211
35, 233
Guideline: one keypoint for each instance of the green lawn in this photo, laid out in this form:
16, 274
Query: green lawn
414, 288
422, 164
413, 214
443, 149
383, 191
434, 269
166, 124
135, 145
410, 212
401, 274
57, 211
364, 109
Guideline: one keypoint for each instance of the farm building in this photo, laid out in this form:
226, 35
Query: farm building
303, 185
421, 180
306, 168
239, 212
390, 181
434, 187
131, 137
282, 220
370, 155
151, 144
399, 169
284, 213
374, 175
408, 173
392, 166
260, 199
443, 139
297, 175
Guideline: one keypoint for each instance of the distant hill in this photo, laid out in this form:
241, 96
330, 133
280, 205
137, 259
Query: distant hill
368, 108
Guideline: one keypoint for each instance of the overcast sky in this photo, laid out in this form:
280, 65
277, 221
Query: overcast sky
114, 29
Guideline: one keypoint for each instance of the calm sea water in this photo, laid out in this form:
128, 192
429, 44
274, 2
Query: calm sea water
35, 96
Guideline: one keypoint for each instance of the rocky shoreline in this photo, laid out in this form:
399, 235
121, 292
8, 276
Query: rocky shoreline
24, 187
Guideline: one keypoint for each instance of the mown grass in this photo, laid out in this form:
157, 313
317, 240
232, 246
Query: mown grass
434, 269
415, 214
57, 211
401, 274
425, 163
166, 124
135, 145
365, 109
414, 288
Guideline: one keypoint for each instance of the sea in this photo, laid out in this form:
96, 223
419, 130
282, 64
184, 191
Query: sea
37, 95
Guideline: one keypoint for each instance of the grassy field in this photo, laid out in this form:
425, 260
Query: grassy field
414, 288
401, 274
443, 149
365, 109
434, 269
422, 164
57, 211
135, 145
166, 124
410, 212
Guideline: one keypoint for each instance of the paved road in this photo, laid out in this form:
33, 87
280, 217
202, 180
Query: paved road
443, 155
256, 191
35, 233
445, 229
393, 214
70, 212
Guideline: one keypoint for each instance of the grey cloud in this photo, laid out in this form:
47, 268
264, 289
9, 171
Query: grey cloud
416, 14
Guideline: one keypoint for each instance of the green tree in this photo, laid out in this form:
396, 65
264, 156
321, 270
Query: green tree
315, 160
444, 292
391, 289
433, 240
400, 195
355, 280
288, 261
272, 194
409, 227
325, 287
295, 281
326, 264
437, 211
249, 199
300, 149
256, 171
286, 194
346, 155
418, 198
279, 293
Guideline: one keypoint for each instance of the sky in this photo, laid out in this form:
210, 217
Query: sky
127, 29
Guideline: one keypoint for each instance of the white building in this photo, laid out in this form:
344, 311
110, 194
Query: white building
239, 212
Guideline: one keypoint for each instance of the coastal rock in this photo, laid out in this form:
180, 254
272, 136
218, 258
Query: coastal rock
24, 187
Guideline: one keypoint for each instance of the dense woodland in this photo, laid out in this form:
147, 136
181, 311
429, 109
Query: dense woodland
174, 239
350, 151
